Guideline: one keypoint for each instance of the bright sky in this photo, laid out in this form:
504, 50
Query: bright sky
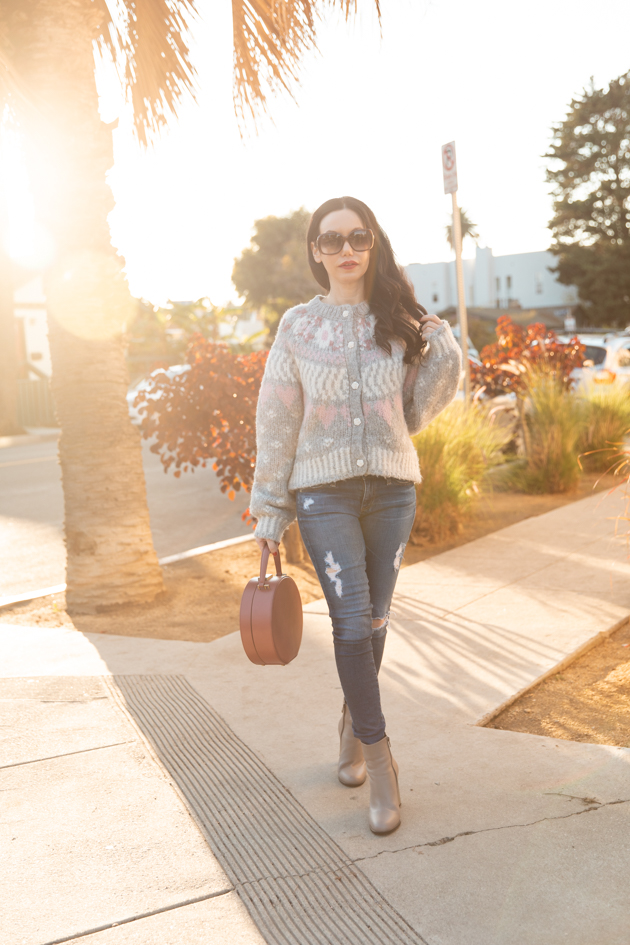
370, 119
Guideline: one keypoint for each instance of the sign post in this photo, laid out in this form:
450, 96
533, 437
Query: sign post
449, 168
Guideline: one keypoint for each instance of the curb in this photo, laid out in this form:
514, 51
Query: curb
169, 559
216, 546
557, 668
23, 598
26, 439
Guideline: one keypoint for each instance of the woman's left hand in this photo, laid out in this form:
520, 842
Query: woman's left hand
429, 324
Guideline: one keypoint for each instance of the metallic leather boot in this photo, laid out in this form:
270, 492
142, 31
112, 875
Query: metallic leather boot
384, 813
351, 769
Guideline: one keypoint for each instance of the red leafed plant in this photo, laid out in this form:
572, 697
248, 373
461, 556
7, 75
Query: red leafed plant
207, 412
507, 365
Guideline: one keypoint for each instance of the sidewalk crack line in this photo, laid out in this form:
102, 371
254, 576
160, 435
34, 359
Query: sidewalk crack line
142, 915
66, 754
469, 833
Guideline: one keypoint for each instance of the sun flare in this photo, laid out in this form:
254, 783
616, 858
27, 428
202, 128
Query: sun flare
25, 240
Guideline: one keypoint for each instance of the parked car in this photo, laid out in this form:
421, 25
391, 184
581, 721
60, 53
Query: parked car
606, 358
144, 384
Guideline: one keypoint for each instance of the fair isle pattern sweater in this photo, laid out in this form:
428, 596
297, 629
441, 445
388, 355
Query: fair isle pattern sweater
333, 405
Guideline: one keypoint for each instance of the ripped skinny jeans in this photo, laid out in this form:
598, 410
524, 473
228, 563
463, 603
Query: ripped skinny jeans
355, 532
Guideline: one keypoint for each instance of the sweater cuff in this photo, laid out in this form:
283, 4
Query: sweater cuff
272, 527
442, 342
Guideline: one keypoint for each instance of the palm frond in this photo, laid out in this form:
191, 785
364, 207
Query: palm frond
147, 42
468, 228
270, 40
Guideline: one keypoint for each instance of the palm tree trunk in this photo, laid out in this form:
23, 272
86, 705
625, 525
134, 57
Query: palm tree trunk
294, 547
111, 558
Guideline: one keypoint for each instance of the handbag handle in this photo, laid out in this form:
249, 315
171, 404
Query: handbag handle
264, 560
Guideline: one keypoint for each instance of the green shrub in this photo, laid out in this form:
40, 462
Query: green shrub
455, 451
607, 422
553, 421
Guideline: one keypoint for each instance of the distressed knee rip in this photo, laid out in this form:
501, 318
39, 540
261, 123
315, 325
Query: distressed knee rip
307, 502
332, 570
379, 623
398, 557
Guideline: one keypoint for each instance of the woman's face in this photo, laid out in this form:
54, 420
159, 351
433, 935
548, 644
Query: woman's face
348, 266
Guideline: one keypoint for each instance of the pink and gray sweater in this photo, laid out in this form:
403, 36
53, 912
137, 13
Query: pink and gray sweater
333, 405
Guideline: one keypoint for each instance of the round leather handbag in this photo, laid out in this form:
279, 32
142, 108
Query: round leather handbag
271, 616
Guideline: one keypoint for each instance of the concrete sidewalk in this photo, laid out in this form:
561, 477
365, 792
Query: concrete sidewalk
186, 779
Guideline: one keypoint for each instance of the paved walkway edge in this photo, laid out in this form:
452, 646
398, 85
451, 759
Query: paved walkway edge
558, 668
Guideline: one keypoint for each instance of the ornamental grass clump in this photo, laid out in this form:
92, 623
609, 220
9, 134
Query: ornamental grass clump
606, 425
455, 451
553, 423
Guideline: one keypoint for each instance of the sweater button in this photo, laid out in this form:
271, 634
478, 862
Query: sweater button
345, 314
359, 462
354, 385
357, 421
351, 344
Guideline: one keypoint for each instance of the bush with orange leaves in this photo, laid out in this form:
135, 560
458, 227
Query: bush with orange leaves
206, 413
508, 364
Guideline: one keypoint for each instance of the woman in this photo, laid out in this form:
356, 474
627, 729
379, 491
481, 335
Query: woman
349, 377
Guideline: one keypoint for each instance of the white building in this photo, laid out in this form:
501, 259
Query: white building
521, 280
32, 327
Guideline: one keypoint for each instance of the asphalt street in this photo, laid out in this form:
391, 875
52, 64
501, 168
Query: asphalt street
185, 513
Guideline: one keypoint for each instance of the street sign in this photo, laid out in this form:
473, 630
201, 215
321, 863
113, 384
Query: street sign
449, 167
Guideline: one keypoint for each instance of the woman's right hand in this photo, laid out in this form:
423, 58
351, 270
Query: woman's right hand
272, 545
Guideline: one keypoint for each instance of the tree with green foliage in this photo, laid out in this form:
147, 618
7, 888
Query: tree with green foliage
198, 317
273, 272
159, 335
590, 172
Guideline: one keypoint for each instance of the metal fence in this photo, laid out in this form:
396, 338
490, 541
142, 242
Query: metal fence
35, 404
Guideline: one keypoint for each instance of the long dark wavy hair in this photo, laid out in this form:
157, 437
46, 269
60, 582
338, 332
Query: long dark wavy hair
388, 290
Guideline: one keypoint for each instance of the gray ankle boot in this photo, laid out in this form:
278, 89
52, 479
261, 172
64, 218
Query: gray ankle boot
382, 770
351, 768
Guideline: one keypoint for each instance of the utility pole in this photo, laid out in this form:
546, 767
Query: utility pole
449, 168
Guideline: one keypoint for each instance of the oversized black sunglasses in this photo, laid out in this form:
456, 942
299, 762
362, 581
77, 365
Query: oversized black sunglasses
331, 243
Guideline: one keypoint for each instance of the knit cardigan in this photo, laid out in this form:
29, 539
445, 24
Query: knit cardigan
333, 405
